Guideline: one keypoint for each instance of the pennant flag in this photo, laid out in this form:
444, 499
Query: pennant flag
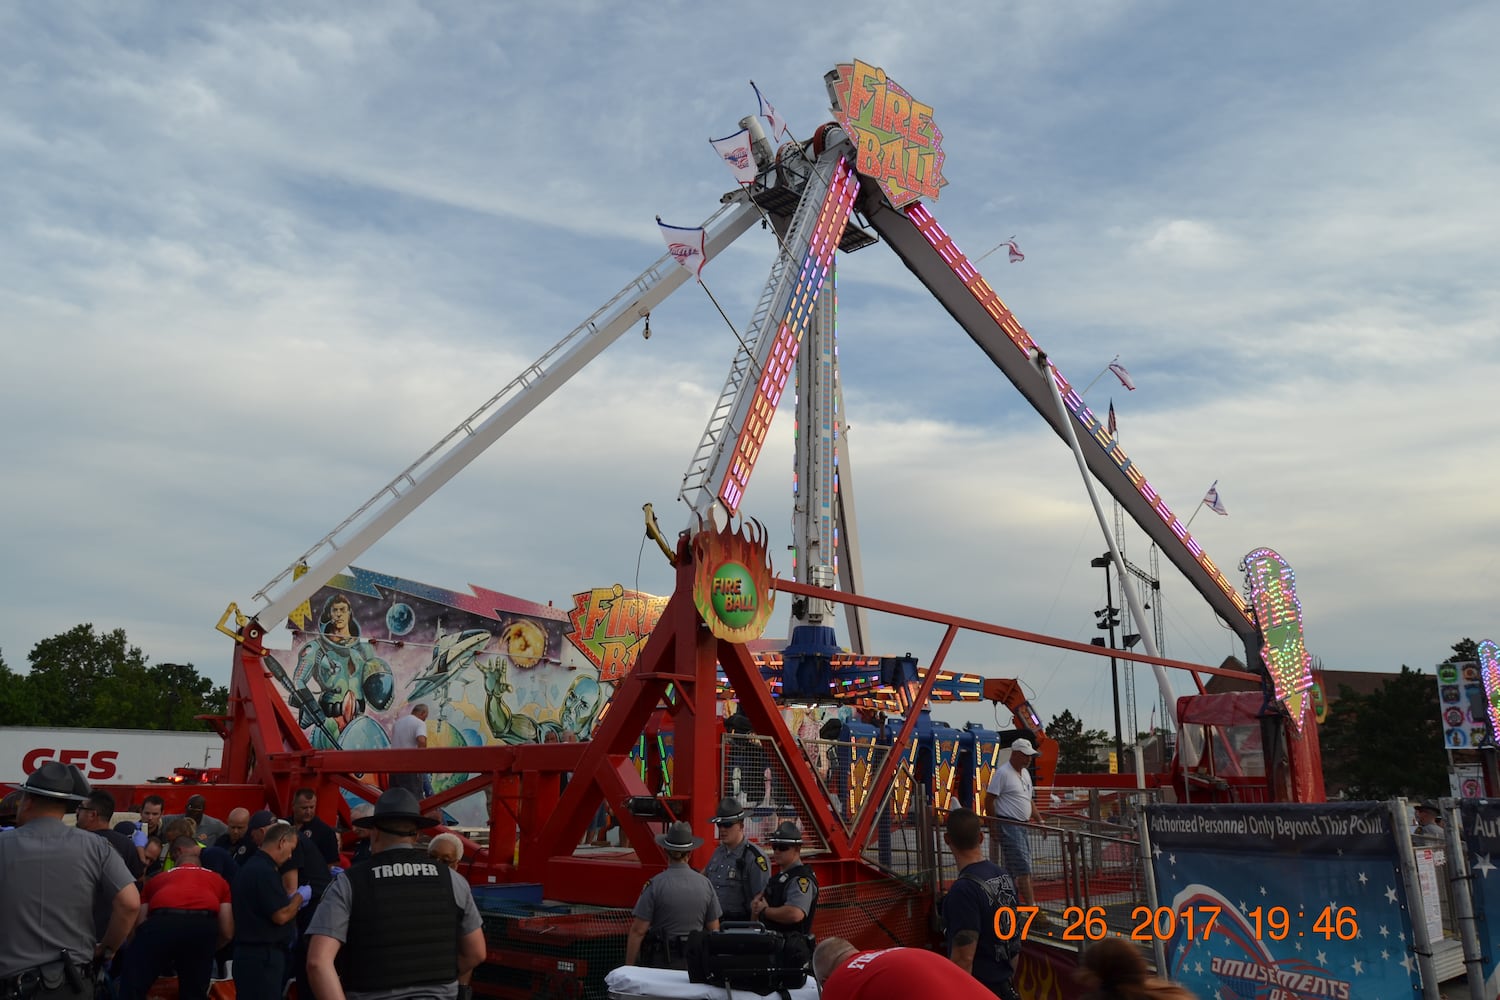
735, 151
1016, 256
1122, 375
686, 246
1114, 428
1211, 499
778, 124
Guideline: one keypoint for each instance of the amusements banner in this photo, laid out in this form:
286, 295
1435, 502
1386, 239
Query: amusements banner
1308, 901
1480, 819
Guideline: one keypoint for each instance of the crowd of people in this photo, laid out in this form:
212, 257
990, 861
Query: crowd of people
264, 901
253, 898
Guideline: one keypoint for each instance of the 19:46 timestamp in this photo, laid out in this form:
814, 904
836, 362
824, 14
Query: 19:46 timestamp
1161, 923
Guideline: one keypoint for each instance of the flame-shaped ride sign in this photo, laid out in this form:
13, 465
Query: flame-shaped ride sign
899, 145
732, 583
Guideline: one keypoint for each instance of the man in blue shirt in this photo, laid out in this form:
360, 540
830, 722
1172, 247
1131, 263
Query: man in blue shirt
263, 913
969, 909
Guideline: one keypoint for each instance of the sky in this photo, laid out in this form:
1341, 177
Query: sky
258, 258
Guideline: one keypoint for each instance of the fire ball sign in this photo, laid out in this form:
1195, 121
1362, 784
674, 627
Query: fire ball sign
899, 145
732, 583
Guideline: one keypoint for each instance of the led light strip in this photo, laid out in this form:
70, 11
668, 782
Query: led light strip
940, 241
827, 231
1489, 672
1272, 589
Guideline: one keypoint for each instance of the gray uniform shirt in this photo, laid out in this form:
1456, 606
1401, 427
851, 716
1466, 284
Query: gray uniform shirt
738, 875
51, 875
678, 902
331, 919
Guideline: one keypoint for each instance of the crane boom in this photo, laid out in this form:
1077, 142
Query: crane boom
930, 254
482, 428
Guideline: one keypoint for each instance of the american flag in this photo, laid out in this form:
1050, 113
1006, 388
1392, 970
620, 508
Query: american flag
1114, 428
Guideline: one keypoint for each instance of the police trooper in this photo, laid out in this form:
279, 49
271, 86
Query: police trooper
738, 869
673, 905
791, 897
398, 924
52, 874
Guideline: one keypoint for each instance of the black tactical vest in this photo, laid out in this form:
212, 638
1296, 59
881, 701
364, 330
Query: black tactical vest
403, 923
776, 891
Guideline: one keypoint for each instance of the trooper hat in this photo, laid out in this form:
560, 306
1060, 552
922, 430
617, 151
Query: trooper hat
56, 781
396, 804
1023, 745
679, 837
1428, 805
785, 835
731, 811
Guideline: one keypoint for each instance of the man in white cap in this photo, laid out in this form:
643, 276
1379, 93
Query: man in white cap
399, 924
51, 874
738, 869
673, 905
1009, 797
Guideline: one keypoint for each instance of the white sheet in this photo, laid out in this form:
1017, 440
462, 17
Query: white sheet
632, 982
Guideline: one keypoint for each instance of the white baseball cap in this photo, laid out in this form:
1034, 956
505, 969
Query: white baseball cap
1024, 746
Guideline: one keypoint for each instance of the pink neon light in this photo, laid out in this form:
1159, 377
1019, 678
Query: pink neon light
827, 231
1489, 672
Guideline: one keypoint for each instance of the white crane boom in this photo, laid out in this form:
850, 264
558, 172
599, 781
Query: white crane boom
418, 481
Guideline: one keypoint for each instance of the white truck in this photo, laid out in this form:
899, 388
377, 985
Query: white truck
114, 756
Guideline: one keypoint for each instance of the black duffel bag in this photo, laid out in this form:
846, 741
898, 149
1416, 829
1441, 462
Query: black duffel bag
749, 956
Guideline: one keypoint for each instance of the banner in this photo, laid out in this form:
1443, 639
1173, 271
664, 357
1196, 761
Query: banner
1282, 901
1480, 826
1461, 700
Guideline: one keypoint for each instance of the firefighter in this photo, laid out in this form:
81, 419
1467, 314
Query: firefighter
398, 924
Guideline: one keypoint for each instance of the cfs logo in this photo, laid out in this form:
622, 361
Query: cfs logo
96, 765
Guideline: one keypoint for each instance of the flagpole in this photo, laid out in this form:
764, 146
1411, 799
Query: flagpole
1096, 377
1189, 524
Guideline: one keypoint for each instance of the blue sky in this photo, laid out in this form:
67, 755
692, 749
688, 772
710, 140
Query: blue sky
259, 259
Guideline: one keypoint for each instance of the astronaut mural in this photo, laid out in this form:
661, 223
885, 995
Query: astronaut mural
490, 667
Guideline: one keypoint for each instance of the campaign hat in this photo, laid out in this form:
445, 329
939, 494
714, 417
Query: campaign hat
56, 781
396, 804
1429, 805
786, 835
731, 811
679, 837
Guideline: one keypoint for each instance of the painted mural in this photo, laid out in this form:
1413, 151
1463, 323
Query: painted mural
490, 667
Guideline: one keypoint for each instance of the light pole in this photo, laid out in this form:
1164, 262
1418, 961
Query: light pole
1109, 617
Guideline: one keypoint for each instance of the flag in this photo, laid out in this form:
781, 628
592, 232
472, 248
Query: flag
1016, 256
1122, 375
735, 151
1211, 498
685, 245
1114, 428
778, 124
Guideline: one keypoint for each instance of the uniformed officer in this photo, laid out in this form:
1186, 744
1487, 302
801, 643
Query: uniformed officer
51, 874
673, 905
738, 869
791, 897
399, 924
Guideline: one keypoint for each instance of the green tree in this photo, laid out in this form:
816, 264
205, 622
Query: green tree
1386, 743
1077, 748
98, 680
1466, 650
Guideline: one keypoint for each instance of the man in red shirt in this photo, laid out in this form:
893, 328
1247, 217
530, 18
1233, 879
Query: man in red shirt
846, 973
185, 917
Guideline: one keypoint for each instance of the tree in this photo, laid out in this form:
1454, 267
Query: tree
1077, 748
1465, 650
1387, 743
98, 680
